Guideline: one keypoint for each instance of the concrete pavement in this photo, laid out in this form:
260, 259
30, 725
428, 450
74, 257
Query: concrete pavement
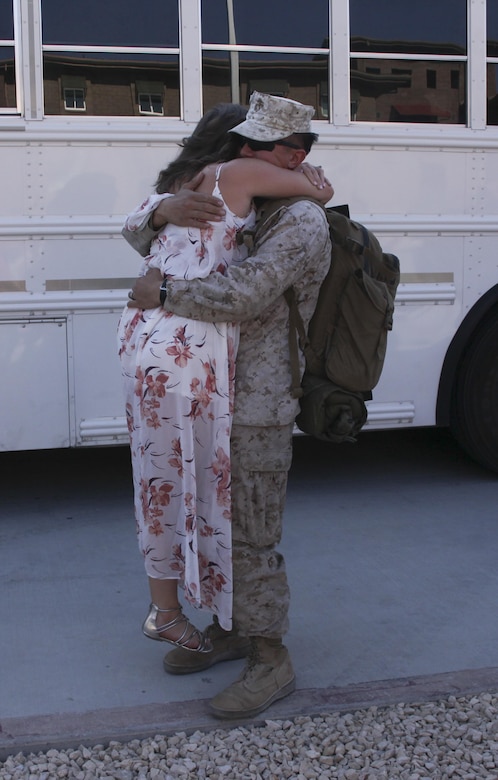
391, 552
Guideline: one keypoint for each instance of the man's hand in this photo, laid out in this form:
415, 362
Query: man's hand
145, 290
188, 208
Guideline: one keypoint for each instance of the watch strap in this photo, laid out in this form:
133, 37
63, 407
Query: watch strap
163, 293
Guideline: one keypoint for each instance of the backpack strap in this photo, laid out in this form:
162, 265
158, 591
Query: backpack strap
297, 338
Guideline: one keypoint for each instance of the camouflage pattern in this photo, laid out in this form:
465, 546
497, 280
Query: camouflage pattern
260, 458
292, 247
271, 118
141, 238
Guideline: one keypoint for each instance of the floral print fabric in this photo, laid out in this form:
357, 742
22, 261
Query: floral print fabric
179, 389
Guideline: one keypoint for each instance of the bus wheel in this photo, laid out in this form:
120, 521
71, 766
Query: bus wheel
474, 414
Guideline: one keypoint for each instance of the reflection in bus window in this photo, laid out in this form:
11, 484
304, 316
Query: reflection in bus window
409, 91
7, 78
109, 82
262, 23
111, 23
492, 27
492, 66
408, 61
390, 25
106, 84
233, 75
492, 78
74, 99
8, 101
6, 21
150, 99
428, 88
297, 76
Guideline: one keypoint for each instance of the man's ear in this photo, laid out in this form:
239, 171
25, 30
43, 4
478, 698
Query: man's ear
297, 157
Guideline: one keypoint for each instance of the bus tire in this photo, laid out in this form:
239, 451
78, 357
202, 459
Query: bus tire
474, 413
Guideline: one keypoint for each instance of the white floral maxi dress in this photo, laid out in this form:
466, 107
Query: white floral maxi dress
179, 388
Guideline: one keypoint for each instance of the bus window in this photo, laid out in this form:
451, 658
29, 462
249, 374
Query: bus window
299, 74
6, 21
7, 62
429, 83
492, 62
107, 84
265, 24
113, 23
97, 58
7, 80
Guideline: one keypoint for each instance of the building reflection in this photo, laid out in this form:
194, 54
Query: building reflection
382, 89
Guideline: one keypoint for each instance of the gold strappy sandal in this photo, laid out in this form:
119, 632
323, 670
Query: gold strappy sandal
152, 631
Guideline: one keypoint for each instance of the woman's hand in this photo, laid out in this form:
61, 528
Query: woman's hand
315, 174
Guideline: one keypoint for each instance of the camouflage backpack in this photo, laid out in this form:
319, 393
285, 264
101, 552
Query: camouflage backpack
346, 342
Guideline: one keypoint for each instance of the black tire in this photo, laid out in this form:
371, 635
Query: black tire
474, 414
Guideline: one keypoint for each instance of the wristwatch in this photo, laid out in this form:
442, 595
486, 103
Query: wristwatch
163, 291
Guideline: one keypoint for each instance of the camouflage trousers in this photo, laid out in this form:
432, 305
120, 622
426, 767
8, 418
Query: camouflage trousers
260, 458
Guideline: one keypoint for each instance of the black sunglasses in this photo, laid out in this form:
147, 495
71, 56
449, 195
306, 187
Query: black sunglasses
268, 146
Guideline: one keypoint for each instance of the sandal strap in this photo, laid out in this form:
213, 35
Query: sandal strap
185, 637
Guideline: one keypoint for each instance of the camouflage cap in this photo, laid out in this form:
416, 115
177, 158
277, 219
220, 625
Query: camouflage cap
270, 118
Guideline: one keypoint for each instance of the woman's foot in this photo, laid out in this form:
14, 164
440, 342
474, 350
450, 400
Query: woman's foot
178, 630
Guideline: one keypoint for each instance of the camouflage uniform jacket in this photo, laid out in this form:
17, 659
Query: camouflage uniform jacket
291, 247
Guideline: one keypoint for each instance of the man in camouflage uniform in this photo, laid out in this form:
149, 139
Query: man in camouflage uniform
291, 247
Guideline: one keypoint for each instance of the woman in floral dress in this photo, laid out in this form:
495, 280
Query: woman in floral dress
179, 386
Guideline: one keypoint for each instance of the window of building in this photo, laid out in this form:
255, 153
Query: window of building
73, 92
74, 99
431, 78
150, 103
150, 97
324, 99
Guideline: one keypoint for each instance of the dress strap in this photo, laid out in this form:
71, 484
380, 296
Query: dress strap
218, 171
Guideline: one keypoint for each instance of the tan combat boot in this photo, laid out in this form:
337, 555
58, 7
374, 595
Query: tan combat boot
227, 646
268, 676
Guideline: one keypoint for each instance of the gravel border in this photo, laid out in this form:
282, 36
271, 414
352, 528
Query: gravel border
62, 731
449, 738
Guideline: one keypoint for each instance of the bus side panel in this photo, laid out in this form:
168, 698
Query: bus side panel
393, 181
98, 179
19, 172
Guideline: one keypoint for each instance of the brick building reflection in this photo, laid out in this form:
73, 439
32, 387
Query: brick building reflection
382, 90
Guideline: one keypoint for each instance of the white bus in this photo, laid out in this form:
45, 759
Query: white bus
94, 99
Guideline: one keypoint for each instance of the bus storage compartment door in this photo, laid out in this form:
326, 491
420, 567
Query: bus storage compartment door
34, 391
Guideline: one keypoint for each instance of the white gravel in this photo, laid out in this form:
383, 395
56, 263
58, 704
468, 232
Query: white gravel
451, 738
